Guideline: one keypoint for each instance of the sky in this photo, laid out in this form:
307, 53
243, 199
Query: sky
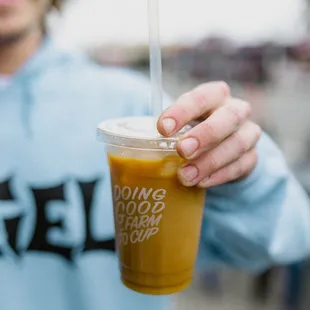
91, 22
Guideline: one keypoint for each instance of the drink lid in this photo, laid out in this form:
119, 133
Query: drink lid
136, 132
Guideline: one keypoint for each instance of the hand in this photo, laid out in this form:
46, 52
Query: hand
221, 148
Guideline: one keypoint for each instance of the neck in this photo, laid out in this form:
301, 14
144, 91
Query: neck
15, 53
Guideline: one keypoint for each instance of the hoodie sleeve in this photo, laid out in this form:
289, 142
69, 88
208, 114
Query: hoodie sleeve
258, 222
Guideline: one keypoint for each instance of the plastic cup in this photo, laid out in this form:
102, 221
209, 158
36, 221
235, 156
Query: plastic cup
157, 220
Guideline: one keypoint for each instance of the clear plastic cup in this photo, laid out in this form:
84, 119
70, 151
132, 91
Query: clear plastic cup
157, 220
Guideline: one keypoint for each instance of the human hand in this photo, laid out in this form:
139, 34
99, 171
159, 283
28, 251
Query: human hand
221, 148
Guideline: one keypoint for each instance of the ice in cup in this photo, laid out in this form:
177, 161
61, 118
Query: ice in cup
157, 220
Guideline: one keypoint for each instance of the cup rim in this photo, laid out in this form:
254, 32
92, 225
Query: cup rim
107, 136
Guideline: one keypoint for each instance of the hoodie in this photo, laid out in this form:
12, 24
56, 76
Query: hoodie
56, 220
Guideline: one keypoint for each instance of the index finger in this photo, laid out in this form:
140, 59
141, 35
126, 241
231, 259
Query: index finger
192, 106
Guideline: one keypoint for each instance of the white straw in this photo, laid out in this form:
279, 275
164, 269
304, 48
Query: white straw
155, 59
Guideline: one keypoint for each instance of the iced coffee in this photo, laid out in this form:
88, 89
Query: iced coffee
157, 220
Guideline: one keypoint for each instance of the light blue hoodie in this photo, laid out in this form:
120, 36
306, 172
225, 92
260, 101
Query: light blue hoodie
56, 222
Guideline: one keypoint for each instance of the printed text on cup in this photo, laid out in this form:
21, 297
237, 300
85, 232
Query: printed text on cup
138, 212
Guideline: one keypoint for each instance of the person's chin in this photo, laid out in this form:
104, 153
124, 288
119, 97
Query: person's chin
9, 35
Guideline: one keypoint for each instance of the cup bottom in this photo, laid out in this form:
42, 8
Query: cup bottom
151, 284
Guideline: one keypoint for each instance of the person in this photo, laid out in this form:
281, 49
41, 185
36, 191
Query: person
56, 221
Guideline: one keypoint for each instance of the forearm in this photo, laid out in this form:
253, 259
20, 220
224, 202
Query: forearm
261, 221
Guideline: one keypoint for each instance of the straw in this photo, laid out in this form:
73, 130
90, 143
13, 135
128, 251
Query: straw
155, 59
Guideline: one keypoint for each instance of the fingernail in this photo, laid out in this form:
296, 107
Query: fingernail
189, 173
204, 183
189, 146
169, 125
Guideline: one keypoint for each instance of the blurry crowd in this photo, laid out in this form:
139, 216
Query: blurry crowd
211, 59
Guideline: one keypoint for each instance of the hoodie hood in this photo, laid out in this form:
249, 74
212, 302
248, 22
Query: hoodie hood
46, 56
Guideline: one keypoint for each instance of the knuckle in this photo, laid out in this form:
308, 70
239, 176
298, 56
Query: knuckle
244, 165
241, 143
210, 131
214, 164
199, 99
248, 162
236, 113
183, 103
225, 87
239, 110
247, 108
254, 157
258, 132
238, 169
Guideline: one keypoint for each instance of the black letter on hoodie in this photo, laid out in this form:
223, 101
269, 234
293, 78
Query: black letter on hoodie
11, 224
40, 242
88, 190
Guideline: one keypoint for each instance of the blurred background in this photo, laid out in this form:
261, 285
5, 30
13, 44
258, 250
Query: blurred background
262, 48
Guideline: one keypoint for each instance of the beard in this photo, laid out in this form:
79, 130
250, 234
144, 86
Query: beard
12, 38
